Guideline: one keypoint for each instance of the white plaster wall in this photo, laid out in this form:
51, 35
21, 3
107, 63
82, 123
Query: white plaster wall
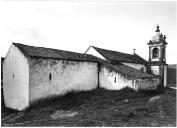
107, 80
93, 52
136, 66
165, 76
155, 70
16, 79
66, 76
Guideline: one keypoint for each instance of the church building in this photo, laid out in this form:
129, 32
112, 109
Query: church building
32, 73
157, 56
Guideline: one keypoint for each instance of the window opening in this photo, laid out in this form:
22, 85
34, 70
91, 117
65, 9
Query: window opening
155, 53
141, 69
50, 76
115, 80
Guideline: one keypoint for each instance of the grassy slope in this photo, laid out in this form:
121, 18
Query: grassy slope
171, 75
100, 107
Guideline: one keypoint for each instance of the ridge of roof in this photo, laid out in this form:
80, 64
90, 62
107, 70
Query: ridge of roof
115, 56
43, 52
110, 50
34, 51
141, 57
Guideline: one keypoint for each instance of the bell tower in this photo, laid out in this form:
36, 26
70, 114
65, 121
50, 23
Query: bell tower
157, 56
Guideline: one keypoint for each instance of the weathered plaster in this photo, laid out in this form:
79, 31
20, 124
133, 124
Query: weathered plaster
65, 76
147, 83
107, 80
165, 76
16, 79
155, 70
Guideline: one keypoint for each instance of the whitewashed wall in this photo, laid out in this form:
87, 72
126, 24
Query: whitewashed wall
165, 76
155, 70
93, 52
136, 66
16, 79
107, 80
66, 76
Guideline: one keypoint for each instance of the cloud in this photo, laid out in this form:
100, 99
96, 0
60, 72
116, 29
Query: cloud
29, 33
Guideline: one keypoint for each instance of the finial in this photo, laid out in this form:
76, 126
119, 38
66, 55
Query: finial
150, 42
134, 51
158, 30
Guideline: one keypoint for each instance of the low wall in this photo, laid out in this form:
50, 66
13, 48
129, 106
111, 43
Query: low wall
115, 81
147, 83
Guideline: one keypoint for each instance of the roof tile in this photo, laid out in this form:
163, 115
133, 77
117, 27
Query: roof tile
115, 56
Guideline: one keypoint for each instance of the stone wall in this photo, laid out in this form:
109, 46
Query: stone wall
147, 83
57, 77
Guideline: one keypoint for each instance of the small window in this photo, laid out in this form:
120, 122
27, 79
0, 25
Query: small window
141, 69
13, 75
50, 76
115, 80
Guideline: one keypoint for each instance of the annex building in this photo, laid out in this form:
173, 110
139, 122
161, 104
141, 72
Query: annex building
31, 73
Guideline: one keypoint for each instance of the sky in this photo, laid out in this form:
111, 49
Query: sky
74, 26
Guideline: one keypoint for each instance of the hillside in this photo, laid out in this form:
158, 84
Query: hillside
99, 107
171, 75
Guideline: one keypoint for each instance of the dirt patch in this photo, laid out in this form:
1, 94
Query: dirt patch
62, 114
154, 98
99, 108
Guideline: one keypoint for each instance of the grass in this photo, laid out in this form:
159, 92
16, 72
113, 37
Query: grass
171, 75
100, 107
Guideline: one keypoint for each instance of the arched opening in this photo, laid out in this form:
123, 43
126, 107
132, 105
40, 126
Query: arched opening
155, 53
142, 69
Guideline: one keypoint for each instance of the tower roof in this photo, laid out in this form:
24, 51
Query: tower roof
158, 38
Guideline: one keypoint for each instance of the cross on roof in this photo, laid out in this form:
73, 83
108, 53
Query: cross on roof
134, 50
158, 30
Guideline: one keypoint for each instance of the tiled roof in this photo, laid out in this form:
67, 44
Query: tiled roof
67, 55
126, 70
156, 63
42, 52
115, 56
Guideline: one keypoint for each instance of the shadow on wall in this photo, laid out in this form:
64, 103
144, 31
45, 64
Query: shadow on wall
171, 75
